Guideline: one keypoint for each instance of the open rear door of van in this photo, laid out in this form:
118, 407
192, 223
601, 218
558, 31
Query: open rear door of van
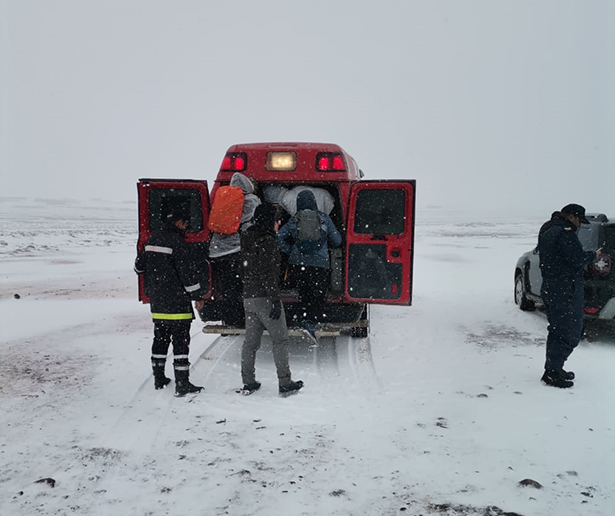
380, 242
157, 198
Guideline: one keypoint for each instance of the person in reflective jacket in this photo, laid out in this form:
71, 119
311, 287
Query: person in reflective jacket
260, 260
562, 261
171, 285
309, 262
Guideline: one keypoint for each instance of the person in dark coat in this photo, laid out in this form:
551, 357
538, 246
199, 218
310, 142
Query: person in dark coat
310, 265
562, 261
171, 285
260, 260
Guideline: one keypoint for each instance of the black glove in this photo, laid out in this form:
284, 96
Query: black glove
276, 310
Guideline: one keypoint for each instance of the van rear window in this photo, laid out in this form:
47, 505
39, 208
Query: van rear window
380, 212
163, 201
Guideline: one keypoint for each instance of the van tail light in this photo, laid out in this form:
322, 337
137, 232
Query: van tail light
234, 162
602, 265
591, 311
330, 162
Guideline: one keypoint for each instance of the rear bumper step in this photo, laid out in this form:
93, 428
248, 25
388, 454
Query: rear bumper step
327, 330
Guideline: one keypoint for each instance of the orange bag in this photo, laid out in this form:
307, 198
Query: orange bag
225, 215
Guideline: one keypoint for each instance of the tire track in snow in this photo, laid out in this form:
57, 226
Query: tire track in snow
143, 418
336, 360
346, 358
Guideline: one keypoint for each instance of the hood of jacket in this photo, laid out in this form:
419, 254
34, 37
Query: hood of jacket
306, 201
243, 182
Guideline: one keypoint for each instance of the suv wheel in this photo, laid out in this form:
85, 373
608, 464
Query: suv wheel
520, 298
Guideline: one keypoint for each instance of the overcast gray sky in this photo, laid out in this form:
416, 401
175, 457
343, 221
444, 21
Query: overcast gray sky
495, 103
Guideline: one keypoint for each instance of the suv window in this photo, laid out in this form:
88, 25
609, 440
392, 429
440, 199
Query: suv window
589, 235
163, 201
609, 239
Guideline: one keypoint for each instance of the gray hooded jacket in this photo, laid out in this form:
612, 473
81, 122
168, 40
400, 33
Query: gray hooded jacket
222, 245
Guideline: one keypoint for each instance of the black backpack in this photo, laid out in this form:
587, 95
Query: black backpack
308, 230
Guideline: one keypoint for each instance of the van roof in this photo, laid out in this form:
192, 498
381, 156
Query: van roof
307, 156
324, 147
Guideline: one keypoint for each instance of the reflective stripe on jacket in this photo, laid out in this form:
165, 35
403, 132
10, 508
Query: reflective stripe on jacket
170, 277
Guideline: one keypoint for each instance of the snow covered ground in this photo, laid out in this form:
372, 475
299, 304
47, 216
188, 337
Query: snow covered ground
440, 411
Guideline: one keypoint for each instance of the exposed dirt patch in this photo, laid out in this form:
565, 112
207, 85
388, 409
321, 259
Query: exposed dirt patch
496, 336
468, 510
123, 286
29, 374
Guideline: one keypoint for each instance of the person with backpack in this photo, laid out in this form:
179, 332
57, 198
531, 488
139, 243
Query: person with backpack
231, 214
171, 284
305, 238
260, 258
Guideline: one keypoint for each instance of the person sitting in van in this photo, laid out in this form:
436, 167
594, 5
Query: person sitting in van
224, 252
305, 239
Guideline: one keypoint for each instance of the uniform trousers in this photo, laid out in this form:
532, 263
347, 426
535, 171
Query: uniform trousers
177, 332
229, 287
564, 300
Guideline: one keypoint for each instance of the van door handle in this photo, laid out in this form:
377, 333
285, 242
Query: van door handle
379, 237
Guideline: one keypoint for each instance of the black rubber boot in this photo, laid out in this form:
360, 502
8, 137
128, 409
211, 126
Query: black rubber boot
160, 380
567, 375
183, 385
556, 379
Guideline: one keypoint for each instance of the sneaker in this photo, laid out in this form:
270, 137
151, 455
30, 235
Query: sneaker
309, 337
567, 375
310, 327
291, 387
556, 379
308, 330
251, 387
183, 388
160, 382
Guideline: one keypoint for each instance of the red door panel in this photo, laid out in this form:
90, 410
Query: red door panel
380, 242
157, 198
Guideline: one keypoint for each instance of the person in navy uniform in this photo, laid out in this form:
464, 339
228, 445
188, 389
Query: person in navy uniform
562, 261
171, 284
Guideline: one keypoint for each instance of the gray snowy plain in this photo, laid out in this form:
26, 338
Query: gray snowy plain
439, 412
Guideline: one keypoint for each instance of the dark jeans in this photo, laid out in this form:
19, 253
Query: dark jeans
312, 284
229, 288
166, 332
565, 303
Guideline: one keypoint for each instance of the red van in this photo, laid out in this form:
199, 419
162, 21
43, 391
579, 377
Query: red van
375, 219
